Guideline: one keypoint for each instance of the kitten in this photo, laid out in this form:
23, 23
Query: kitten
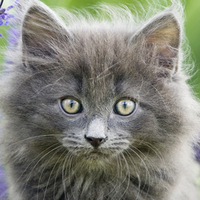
98, 110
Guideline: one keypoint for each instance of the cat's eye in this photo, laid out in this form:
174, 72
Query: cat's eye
125, 107
71, 106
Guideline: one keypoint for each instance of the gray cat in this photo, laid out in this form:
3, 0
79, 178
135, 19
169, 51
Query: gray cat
98, 110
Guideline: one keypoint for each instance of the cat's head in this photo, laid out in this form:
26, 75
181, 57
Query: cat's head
98, 93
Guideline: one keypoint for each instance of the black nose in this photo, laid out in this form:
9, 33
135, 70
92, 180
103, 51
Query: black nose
95, 142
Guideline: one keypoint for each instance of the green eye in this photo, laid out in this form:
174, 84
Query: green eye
71, 106
125, 107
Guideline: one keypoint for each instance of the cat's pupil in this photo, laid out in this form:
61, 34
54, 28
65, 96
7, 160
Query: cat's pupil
72, 103
124, 105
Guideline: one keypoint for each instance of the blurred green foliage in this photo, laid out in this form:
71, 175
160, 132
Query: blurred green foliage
192, 26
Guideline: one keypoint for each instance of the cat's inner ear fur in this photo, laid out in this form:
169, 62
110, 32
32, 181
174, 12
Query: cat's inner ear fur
42, 33
161, 39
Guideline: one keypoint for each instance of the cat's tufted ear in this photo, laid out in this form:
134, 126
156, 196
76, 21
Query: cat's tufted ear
161, 38
43, 33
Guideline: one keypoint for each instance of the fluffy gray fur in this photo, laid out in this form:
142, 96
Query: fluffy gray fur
147, 155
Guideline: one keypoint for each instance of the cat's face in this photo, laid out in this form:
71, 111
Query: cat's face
97, 101
98, 94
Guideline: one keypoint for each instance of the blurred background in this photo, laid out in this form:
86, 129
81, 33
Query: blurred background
192, 26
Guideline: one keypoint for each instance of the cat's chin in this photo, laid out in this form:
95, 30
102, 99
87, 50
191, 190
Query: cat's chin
94, 157
94, 162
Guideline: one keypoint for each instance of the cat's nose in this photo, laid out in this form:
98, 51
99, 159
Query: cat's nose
95, 142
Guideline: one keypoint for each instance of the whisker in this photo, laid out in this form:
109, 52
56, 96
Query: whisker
52, 170
135, 170
147, 174
66, 174
125, 178
38, 156
60, 191
36, 165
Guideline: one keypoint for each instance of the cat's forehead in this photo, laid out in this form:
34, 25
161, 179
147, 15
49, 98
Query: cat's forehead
101, 53
102, 65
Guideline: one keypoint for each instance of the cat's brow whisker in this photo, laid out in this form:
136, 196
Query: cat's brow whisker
27, 79
104, 73
50, 86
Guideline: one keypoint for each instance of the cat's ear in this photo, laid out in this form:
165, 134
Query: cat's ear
43, 33
161, 37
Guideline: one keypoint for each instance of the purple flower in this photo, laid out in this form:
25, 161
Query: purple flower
2, 15
5, 16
